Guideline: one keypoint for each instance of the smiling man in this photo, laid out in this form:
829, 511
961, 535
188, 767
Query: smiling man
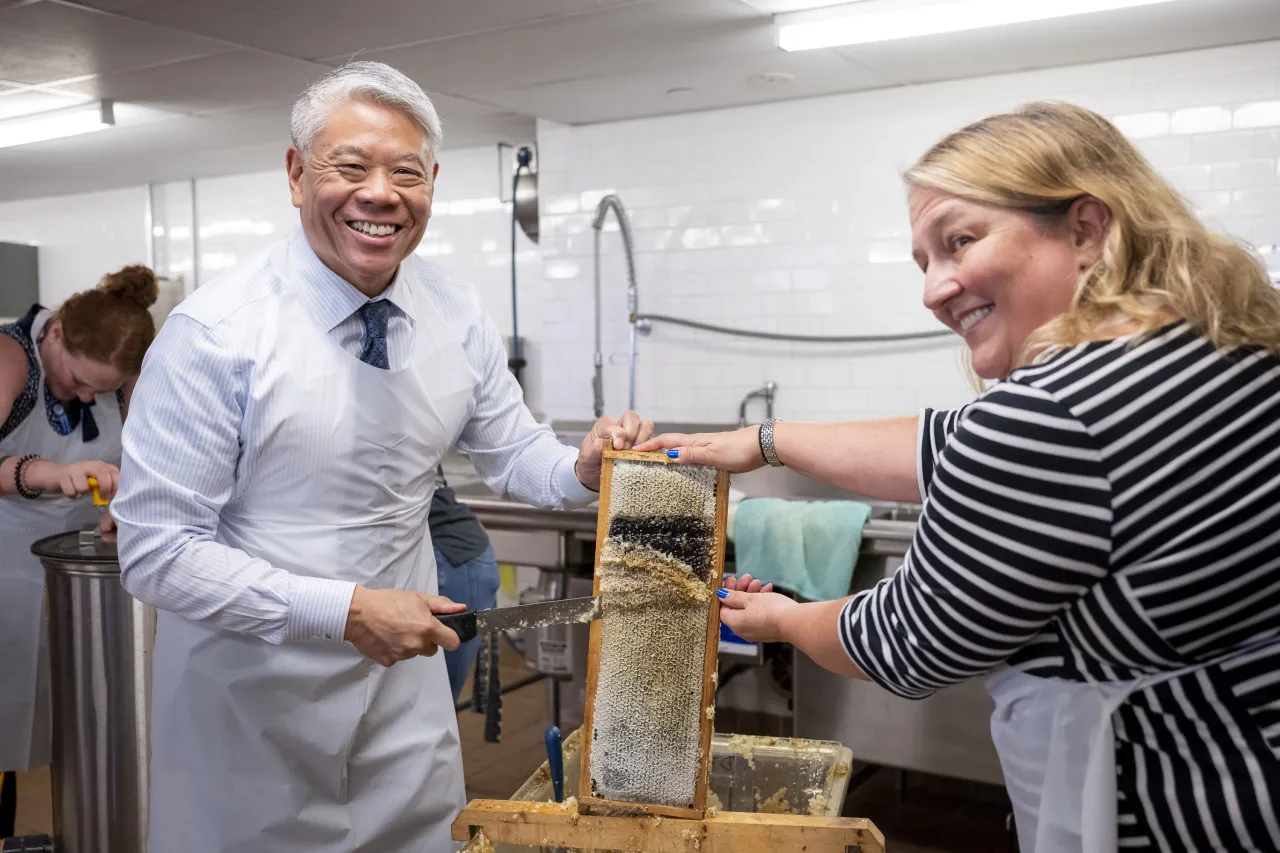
278, 471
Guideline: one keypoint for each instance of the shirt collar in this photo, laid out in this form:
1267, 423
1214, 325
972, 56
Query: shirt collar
333, 298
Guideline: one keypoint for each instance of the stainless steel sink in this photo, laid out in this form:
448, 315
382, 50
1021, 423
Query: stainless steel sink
899, 512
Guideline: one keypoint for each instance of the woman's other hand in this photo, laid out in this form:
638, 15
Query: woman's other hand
756, 617
749, 609
72, 479
736, 452
745, 583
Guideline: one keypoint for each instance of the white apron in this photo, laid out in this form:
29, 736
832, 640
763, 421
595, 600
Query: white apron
24, 661
308, 746
1057, 751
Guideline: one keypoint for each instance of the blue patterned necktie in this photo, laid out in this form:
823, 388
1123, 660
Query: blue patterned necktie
375, 316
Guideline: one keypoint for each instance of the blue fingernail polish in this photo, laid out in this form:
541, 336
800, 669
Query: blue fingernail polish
673, 454
722, 592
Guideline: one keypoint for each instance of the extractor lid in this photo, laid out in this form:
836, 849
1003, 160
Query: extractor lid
85, 548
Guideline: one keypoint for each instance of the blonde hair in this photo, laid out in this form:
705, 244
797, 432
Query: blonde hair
1159, 258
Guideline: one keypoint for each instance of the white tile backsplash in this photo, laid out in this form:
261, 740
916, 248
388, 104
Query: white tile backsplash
787, 217
1216, 147
1256, 202
1266, 143
1201, 120
1169, 151
833, 257
1260, 114
1244, 174
1197, 177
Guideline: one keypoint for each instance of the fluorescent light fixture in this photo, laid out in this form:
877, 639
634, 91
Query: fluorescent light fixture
871, 21
55, 124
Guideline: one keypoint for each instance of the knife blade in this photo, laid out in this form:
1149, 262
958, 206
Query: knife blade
568, 611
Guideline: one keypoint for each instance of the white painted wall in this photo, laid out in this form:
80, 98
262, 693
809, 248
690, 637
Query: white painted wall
791, 217
80, 237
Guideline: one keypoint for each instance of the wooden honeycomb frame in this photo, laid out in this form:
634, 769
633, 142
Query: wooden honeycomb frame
588, 803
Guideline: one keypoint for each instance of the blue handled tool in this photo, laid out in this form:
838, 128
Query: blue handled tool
555, 762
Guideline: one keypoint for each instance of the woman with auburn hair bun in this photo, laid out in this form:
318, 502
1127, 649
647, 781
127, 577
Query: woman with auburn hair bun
65, 379
1099, 531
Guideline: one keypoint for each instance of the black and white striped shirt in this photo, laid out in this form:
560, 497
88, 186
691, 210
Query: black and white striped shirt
1109, 512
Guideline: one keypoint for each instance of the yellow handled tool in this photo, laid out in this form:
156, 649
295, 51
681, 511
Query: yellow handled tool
98, 500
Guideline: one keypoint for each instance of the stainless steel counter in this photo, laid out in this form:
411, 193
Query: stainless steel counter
505, 514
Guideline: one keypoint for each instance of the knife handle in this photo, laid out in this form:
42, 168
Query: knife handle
463, 624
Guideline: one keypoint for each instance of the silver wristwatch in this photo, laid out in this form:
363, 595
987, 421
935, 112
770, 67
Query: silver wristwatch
766, 443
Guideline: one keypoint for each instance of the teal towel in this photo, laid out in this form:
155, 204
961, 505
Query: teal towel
809, 547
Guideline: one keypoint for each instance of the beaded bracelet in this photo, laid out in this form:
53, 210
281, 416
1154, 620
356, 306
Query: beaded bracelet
28, 493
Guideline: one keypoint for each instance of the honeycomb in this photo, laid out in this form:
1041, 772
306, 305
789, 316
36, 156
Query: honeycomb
655, 580
659, 490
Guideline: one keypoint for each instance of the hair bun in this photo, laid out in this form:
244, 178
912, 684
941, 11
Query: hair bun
135, 282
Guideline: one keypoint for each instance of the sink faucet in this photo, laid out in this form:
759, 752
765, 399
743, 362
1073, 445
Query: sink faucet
767, 393
613, 203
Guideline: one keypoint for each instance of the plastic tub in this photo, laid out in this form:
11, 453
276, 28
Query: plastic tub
748, 774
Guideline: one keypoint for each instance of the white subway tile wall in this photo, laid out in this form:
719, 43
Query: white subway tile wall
787, 217
790, 217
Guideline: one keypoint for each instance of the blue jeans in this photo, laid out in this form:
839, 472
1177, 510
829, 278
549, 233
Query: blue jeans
475, 584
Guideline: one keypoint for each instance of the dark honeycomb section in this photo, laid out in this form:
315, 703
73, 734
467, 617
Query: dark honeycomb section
689, 540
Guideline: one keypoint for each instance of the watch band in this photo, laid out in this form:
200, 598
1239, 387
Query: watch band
766, 443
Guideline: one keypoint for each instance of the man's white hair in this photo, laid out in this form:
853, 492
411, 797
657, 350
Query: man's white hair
366, 81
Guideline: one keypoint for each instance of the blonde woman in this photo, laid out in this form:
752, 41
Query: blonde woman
1102, 527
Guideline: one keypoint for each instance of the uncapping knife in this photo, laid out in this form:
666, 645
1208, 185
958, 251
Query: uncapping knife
566, 611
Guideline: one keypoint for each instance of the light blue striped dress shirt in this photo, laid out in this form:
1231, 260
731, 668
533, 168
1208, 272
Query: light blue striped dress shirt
183, 443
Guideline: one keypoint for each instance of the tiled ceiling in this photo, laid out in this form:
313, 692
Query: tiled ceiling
203, 86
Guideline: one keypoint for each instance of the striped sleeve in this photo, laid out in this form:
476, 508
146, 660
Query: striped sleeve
936, 428
1017, 528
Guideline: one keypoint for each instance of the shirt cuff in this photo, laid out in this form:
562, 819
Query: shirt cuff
318, 609
571, 487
